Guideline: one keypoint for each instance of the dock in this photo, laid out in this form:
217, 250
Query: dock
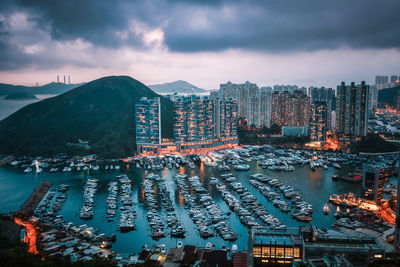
33, 201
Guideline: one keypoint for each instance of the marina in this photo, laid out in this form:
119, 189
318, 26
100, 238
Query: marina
151, 200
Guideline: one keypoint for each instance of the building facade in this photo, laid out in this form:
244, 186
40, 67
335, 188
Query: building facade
319, 121
373, 181
148, 121
286, 247
194, 119
202, 122
352, 105
290, 109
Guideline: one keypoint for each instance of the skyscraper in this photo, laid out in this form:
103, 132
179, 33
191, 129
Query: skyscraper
328, 96
246, 97
265, 106
352, 109
319, 120
373, 181
148, 121
193, 119
290, 109
225, 118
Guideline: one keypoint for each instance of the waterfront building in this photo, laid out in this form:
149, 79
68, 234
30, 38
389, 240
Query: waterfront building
193, 119
352, 105
290, 109
200, 122
225, 118
319, 121
148, 123
306, 242
328, 96
373, 181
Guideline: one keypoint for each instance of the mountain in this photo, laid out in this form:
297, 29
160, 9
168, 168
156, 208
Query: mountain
388, 96
177, 86
51, 88
101, 112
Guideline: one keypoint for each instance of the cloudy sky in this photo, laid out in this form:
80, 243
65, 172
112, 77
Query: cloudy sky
205, 42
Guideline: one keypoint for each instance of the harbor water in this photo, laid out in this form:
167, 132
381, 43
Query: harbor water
315, 186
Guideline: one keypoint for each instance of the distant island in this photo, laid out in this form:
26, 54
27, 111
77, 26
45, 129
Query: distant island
20, 96
51, 88
176, 87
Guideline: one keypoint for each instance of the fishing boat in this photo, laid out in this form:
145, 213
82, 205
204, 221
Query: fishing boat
326, 208
242, 167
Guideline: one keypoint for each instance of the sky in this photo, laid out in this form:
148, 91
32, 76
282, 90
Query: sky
205, 42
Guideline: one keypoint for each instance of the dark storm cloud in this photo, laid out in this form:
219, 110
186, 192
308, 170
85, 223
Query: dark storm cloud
191, 26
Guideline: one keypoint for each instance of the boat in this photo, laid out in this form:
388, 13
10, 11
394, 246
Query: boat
28, 170
337, 166
179, 244
242, 167
335, 177
326, 208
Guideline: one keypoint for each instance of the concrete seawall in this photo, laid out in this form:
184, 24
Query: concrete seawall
33, 201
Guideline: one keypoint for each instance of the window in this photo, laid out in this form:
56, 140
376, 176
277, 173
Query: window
265, 252
280, 252
272, 252
257, 252
297, 252
288, 252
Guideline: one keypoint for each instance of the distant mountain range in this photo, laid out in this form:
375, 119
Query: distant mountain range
101, 112
178, 87
51, 88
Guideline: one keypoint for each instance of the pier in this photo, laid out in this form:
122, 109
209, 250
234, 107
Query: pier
33, 201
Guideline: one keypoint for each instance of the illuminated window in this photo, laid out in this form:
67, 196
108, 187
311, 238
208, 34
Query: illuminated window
288, 252
265, 252
272, 252
297, 252
257, 252
279, 252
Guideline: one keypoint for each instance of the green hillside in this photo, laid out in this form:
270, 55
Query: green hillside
388, 96
101, 112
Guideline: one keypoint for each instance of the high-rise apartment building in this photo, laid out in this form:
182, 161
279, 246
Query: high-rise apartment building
382, 82
326, 95
290, 109
193, 119
319, 120
225, 118
352, 105
373, 181
264, 99
373, 96
148, 121
246, 97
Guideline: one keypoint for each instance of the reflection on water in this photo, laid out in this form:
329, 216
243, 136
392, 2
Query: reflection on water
315, 187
